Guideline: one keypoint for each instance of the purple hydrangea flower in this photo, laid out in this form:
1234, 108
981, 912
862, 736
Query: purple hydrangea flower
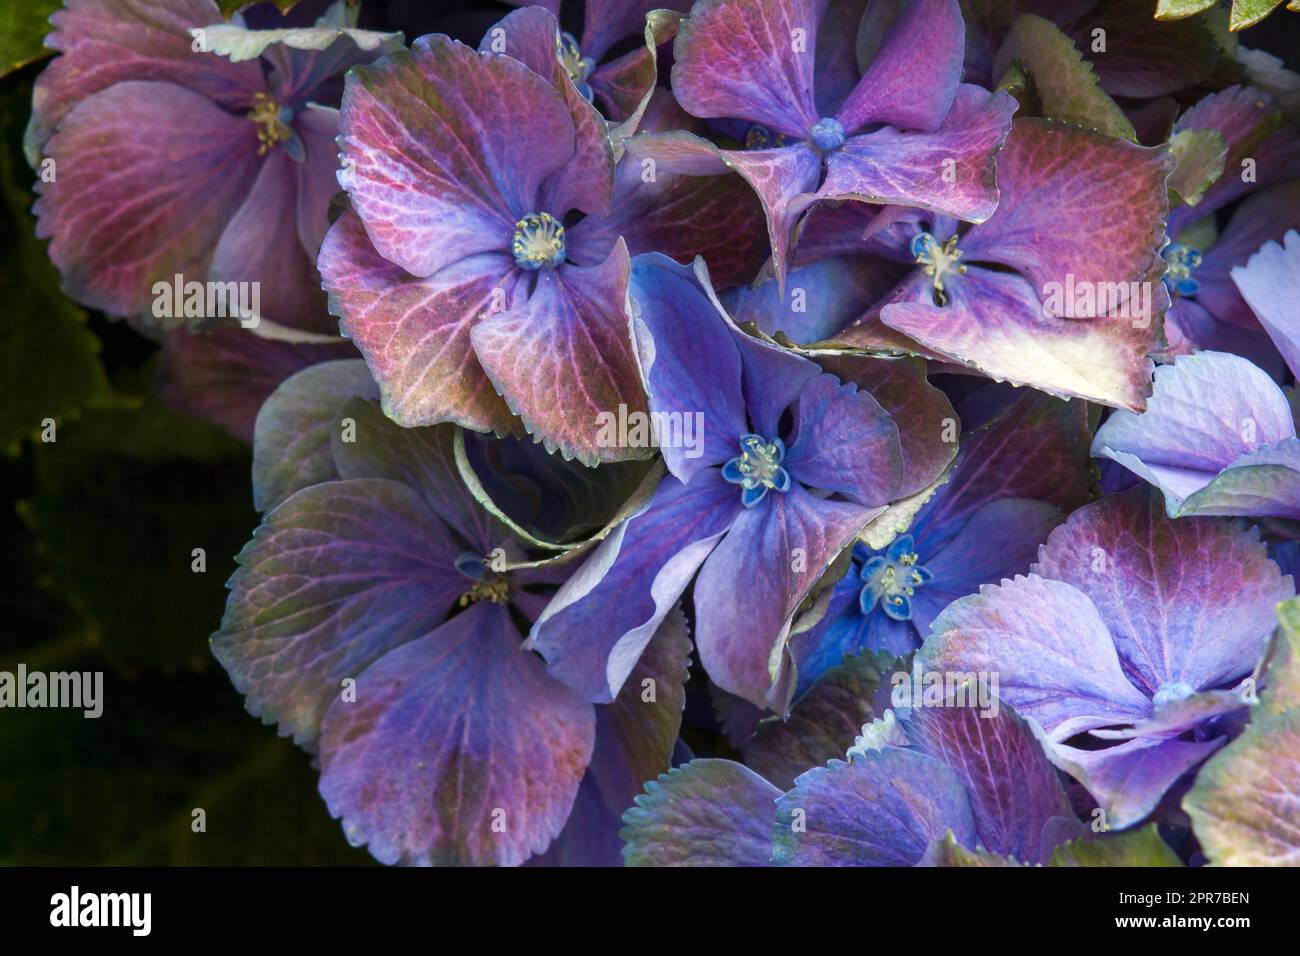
1057, 289
1133, 628
1234, 454
210, 156
459, 274
1014, 480
375, 618
903, 131
789, 465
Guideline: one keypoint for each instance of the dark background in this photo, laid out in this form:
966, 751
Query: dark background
98, 528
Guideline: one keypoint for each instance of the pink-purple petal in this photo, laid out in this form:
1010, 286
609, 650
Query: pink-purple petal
1189, 601
564, 358
139, 196
743, 59
929, 36
432, 182
415, 333
458, 749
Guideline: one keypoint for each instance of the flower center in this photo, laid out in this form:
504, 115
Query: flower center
487, 585
892, 578
272, 121
1172, 693
538, 241
938, 260
1181, 262
759, 136
826, 135
757, 468
578, 67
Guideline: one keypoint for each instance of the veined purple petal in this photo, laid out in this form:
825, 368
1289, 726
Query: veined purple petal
564, 358
1268, 282
422, 459
844, 442
635, 734
303, 60
1188, 601
1129, 779
459, 748
1247, 119
913, 80
880, 810
105, 42
749, 60
318, 128
261, 245
609, 21
530, 36
1074, 203
1054, 655
836, 69
921, 412
432, 183
139, 197
599, 622
415, 333
996, 323
291, 444
690, 362
1037, 449
337, 576
1013, 789
1181, 443
754, 581
706, 813
779, 177
949, 170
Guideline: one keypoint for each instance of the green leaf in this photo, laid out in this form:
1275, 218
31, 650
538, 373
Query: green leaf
1132, 848
229, 8
1178, 9
122, 788
1066, 85
49, 360
1200, 154
1243, 803
23, 25
122, 499
946, 851
1282, 677
1246, 13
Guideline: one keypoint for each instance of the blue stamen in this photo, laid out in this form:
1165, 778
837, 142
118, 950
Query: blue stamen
757, 469
892, 579
1181, 262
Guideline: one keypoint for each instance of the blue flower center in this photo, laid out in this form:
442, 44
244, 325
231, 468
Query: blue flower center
757, 468
759, 136
538, 241
1172, 693
826, 135
891, 579
938, 260
1181, 263
578, 67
